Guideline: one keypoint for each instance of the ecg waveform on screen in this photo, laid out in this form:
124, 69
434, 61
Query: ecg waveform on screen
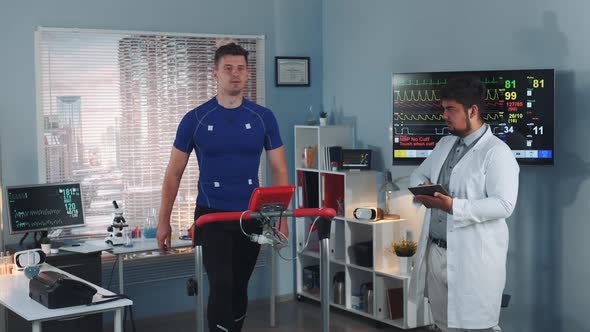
417, 117
432, 95
37, 213
45, 206
439, 118
415, 95
436, 107
493, 116
492, 94
437, 82
517, 106
495, 104
420, 105
418, 82
39, 224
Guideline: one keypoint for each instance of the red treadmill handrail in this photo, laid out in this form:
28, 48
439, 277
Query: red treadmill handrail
221, 216
328, 213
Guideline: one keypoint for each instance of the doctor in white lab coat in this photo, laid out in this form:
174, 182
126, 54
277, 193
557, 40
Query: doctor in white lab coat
464, 281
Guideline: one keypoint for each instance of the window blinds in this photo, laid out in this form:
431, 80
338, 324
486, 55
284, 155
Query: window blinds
110, 103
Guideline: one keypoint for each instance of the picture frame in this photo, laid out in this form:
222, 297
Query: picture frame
292, 71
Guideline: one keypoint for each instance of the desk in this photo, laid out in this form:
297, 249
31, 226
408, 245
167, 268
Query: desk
142, 245
14, 295
85, 266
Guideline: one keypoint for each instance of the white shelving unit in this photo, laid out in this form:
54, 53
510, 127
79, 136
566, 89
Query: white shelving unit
344, 191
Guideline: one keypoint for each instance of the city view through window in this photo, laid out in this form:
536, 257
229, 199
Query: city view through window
110, 106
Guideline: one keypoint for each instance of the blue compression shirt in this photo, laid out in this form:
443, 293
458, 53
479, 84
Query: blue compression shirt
228, 144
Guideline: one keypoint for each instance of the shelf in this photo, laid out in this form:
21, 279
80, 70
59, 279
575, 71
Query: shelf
393, 273
384, 221
366, 223
338, 261
310, 253
339, 306
334, 172
395, 322
363, 268
357, 249
317, 256
310, 296
344, 172
360, 312
307, 169
374, 223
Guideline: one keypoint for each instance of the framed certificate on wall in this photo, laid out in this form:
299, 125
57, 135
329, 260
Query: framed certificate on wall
291, 71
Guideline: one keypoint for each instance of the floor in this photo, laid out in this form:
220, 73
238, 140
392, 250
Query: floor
291, 316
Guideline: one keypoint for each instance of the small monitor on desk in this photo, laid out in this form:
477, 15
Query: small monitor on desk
43, 207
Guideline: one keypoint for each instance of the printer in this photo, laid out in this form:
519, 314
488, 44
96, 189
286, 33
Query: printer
55, 290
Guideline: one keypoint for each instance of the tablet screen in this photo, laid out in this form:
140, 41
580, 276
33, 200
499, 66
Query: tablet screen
428, 190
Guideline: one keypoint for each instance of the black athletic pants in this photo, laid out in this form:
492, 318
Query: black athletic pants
229, 258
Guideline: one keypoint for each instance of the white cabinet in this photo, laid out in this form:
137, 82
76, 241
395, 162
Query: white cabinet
358, 253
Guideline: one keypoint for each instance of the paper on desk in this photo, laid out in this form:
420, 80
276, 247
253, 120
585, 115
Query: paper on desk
88, 247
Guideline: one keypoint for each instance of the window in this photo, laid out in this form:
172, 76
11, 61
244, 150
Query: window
110, 103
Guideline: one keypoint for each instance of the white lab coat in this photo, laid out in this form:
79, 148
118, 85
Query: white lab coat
484, 187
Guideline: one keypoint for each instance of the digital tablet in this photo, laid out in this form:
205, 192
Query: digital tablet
428, 190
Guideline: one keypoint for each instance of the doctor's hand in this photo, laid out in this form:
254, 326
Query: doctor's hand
438, 201
164, 236
426, 183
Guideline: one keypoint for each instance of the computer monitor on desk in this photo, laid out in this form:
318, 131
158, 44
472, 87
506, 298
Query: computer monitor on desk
44, 207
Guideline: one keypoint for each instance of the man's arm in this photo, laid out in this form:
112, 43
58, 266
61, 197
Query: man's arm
174, 171
278, 166
280, 177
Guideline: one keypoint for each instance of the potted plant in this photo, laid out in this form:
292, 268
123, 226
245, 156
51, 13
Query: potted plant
404, 249
45, 245
323, 118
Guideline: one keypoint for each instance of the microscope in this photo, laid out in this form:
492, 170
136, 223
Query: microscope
117, 235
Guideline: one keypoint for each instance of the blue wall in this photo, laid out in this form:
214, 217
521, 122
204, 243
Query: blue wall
291, 28
360, 44
366, 41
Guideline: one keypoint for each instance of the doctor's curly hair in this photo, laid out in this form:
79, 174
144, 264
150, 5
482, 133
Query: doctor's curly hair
467, 90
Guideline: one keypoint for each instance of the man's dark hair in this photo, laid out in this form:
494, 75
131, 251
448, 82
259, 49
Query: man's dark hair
467, 91
230, 49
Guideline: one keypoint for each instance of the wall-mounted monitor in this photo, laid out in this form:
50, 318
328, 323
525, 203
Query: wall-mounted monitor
519, 110
42, 207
